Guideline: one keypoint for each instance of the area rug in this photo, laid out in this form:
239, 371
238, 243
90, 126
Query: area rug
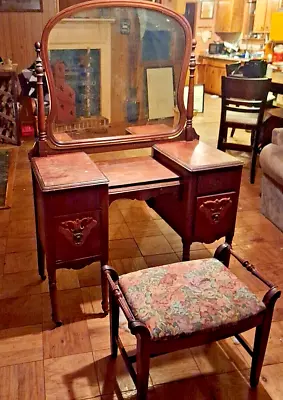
7, 175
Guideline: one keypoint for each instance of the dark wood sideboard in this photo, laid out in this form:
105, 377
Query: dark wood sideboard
194, 187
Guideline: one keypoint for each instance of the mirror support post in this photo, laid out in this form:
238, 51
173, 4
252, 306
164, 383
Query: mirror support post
41, 134
190, 132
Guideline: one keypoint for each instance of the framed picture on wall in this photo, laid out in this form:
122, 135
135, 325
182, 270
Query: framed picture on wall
207, 9
21, 5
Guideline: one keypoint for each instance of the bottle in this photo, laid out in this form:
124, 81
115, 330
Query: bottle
268, 52
278, 54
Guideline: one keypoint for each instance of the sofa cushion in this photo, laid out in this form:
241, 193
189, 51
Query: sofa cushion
186, 297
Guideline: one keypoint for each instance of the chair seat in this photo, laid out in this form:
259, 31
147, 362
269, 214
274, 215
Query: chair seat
183, 298
242, 118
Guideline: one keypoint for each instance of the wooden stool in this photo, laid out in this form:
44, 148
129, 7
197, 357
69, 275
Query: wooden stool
162, 306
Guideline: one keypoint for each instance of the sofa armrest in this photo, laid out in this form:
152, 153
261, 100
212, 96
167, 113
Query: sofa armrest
277, 136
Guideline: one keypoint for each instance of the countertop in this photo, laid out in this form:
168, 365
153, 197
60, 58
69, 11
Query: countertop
223, 57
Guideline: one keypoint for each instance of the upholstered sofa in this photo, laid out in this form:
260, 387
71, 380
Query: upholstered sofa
271, 161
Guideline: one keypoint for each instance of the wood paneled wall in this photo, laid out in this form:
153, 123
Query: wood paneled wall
67, 3
20, 30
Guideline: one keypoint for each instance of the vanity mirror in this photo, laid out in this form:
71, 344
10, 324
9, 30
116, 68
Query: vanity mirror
116, 73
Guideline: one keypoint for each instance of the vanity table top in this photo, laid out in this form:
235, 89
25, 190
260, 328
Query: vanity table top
196, 155
135, 171
66, 171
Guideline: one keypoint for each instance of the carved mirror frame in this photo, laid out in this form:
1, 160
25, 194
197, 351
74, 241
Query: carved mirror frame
46, 142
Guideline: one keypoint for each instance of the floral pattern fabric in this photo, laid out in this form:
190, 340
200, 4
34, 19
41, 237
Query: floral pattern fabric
182, 298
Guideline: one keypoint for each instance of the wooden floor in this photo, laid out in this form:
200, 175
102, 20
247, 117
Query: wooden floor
72, 362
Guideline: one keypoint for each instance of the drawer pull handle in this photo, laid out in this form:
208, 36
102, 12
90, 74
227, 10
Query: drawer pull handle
78, 230
215, 210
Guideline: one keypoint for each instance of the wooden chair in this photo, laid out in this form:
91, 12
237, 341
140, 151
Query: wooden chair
162, 306
243, 104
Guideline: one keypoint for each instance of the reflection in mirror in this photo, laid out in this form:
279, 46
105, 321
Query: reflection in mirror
116, 72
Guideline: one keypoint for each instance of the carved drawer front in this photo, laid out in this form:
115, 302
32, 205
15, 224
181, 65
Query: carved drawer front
78, 236
215, 216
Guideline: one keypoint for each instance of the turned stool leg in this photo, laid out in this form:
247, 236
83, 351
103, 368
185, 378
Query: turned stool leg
260, 343
53, 294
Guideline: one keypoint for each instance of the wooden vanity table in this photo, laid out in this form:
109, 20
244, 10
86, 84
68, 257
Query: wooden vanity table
192, 186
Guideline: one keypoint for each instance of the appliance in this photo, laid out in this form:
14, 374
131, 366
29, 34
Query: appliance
216, 48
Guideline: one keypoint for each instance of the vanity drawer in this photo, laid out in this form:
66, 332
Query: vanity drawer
213, 182
215, 216
73, 201
78, 236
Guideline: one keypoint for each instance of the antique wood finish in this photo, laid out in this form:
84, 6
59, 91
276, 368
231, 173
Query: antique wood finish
147, 348
183, 130
199, 212
194, 187
71, 207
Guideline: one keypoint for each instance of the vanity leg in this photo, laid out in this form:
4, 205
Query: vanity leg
53, 294
186, 249
40, 252
40, 260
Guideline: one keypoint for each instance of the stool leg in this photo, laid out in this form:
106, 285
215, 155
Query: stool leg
105, 291
143, 359
232, 132
114, 325
260, 343
53, 293
186, 249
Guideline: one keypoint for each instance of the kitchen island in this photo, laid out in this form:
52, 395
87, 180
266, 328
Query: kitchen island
211, 68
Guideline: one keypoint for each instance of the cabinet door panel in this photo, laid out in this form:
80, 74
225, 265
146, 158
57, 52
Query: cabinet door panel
78, 236
260, 12
229, 16
215, 216
223, 16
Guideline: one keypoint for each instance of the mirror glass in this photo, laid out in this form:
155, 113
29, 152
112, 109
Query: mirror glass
115, 71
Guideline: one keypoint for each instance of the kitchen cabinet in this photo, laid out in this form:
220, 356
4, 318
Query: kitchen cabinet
213, 76
210, 72
263, 11
229, 16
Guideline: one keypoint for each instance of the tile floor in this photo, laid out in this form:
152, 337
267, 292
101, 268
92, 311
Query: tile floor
72, 362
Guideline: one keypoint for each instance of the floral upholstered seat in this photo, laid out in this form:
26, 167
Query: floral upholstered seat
184, 298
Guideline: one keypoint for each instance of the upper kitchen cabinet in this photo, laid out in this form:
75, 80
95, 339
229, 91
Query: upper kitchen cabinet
229, 16
263, 11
